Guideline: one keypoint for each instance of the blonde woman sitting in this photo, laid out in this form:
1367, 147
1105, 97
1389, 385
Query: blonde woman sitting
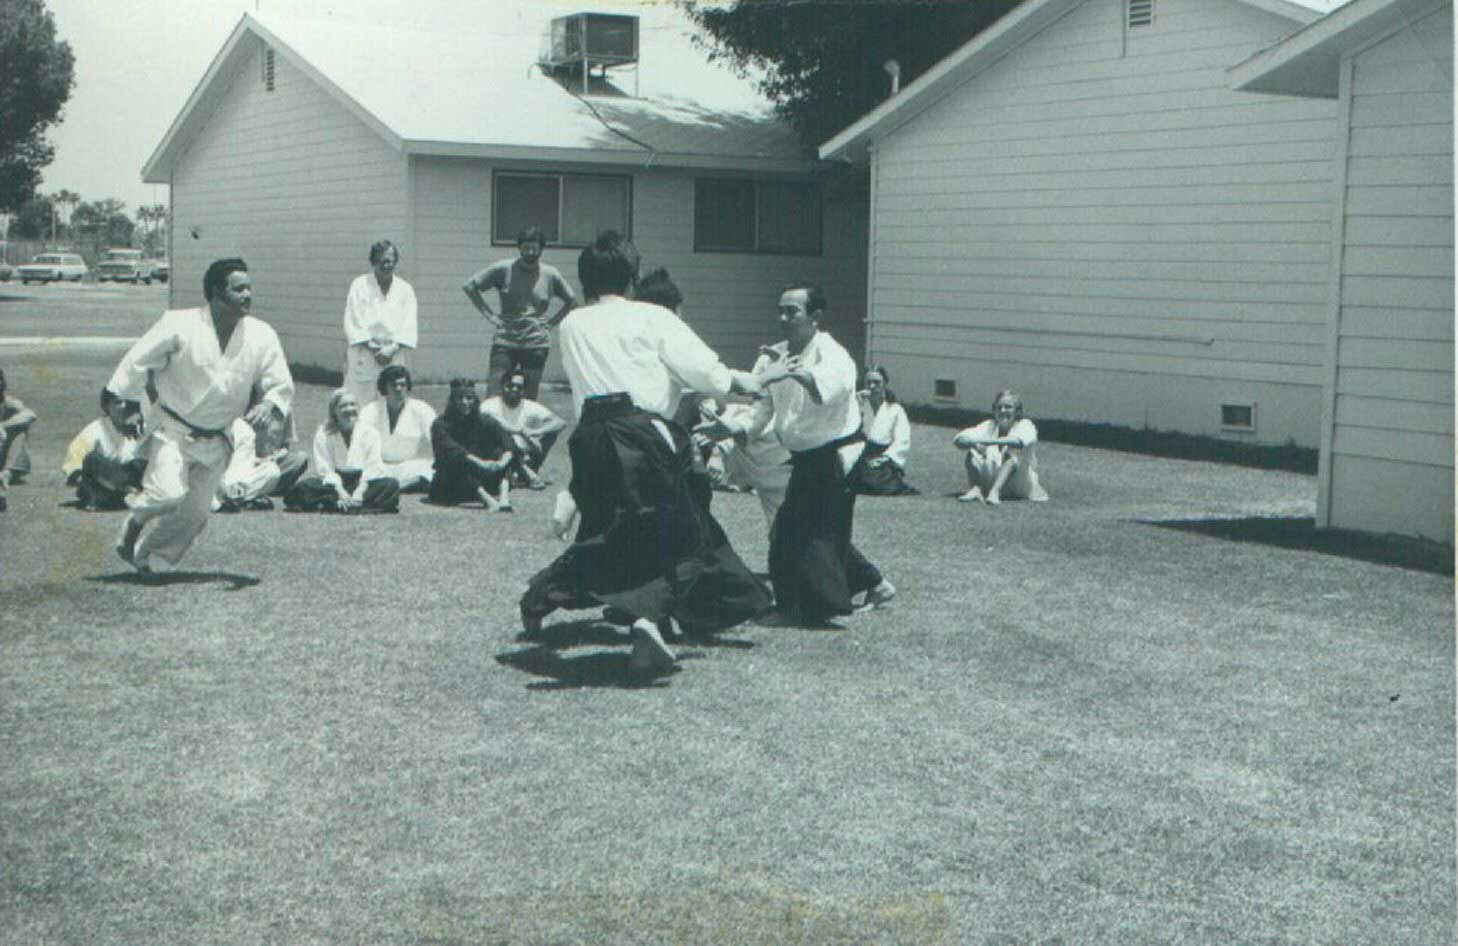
349, 474
1002, 458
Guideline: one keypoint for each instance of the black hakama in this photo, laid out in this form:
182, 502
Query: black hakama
883, 479
644, 545
814, 567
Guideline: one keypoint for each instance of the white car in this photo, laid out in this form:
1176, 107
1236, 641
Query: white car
124, 266
53, 267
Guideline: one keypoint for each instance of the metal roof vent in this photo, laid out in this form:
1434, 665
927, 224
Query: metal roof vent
588, 44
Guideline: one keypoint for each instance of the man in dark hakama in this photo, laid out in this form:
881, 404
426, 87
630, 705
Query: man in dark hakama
644, 547
816, 570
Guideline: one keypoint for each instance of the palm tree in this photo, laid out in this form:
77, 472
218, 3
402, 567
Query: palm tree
152, 216
62, 198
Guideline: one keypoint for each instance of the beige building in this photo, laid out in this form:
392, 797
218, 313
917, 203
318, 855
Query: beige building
309, 139
1077, 204
1387, 406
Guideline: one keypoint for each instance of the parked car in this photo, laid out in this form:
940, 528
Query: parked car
123, 265
6, 271
161, 270
53, 267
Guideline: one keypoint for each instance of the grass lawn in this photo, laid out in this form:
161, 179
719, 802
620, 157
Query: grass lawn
1158, 709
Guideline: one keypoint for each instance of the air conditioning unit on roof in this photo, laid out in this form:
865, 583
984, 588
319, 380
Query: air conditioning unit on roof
584, 42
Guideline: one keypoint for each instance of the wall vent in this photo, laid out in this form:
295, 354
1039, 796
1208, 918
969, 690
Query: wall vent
268, 69
1141, 12
944, 389
1238, 417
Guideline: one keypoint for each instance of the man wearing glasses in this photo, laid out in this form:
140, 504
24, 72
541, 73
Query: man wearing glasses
533, 427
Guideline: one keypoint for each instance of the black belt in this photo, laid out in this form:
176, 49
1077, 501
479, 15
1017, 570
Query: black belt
192, 428
845, 441
606, 406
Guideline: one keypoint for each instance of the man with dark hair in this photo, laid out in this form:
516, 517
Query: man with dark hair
811, 379
203, 364
525, 289
104, 461
533, 428
644, 547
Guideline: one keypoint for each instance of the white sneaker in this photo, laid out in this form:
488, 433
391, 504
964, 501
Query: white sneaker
973, 495
879, 596
649, 650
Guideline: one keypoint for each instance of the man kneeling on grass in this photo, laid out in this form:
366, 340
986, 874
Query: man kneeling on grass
472, 453
104, 461
264, 464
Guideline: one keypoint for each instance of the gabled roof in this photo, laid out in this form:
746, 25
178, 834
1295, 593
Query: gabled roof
1016, 27
476, 95
1309, 62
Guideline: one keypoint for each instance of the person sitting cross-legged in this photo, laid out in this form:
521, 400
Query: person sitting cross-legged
15, 423
472, 453
349, 475
533, 428
1002, 458
403, 424
264, 464
104, 461
888, 438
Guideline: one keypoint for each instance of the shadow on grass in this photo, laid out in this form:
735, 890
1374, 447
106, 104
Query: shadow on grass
233, 581
1301, 533
587, 670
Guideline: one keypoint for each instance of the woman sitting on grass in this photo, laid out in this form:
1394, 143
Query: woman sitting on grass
348, 471
472, 453
888, 438
1002, 457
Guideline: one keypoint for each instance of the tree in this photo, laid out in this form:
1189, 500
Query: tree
35, 82
102, 223
823, 61
63, 203
32, 220
152, 217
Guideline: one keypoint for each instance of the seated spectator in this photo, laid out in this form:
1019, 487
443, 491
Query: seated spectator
15, 422
105, 460
473, 454
1002, 459
403, 424
264, 464
888, 438
349, 474
750, 455
533, 428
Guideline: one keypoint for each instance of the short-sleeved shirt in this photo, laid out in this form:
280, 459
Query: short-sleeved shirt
525, 297
528, 417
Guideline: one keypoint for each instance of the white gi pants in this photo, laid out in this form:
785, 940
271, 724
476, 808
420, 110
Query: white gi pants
183, 473
362, 372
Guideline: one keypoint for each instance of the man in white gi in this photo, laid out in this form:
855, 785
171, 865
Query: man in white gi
380, 323
203, 363
265, 463
815, 569
403, 424
644, 547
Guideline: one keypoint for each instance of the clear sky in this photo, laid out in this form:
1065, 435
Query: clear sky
137, 61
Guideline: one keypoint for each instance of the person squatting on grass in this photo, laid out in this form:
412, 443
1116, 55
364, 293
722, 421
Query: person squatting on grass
15, 423
816, 569
264, 464
525, 289
644, 546
349, 473
888, 438
533, 427
203, 364
473, 454
403, 423
1002, 455
104, 462
380, 323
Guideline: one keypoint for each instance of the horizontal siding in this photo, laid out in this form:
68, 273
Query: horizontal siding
299, 187
729, 297
1383, 495
1392, 438
1109, 205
